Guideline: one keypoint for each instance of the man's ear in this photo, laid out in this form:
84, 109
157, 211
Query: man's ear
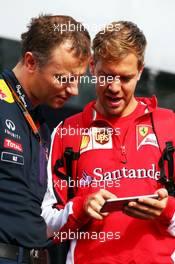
30, 61
140, 72
92, 66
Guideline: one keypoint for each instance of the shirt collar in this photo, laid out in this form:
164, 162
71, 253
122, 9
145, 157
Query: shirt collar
17, 87
91, 116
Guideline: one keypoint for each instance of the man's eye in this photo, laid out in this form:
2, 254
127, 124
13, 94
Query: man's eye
125, 79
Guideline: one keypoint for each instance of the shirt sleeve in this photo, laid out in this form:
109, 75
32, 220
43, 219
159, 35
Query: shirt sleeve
167, 218
61, 216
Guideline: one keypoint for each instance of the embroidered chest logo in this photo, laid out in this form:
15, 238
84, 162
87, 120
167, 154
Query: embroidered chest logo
102, 136
84, 142
8, 143
86, 179
145, 136
10, 124
10, 129
96, 138
143, 131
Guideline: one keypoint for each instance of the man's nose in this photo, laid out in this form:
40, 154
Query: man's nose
72, 88
115, 85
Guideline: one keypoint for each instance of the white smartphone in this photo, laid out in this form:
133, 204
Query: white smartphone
117, 204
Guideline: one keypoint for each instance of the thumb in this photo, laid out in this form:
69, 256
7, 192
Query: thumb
163, 193
107, 195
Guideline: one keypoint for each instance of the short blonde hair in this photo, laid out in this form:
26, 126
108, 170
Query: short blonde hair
117, 40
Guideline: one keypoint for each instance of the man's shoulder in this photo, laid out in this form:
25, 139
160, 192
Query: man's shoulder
164, 112
164, 125
164, 117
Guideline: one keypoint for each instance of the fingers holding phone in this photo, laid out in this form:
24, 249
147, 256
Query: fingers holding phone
95, 201
147, 208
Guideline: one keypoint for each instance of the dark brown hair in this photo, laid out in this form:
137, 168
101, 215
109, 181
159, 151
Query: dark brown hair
47, 32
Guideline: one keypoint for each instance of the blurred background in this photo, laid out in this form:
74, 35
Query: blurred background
156, 19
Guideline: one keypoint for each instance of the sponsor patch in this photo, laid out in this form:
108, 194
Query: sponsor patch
102, 136
11, 129
84, 142
12, 158
10, 124
145, 136
86, 179
8, 143
143, 131
5, 93
96, 138
10, 133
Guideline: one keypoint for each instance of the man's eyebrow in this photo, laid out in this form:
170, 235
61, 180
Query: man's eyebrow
131, 74
116, 74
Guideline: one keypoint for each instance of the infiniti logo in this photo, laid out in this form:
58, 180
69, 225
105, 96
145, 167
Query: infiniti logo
10, 125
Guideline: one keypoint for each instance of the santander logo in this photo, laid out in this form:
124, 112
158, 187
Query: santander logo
8, 143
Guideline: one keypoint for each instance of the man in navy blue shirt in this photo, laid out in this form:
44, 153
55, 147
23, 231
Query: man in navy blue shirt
48, 54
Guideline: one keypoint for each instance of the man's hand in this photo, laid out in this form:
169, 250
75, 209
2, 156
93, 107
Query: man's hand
95, 201
148, 208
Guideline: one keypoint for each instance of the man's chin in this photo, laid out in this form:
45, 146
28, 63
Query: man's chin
112, 113
56, 105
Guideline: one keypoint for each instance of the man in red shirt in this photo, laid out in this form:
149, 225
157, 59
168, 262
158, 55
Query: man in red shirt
119, 155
